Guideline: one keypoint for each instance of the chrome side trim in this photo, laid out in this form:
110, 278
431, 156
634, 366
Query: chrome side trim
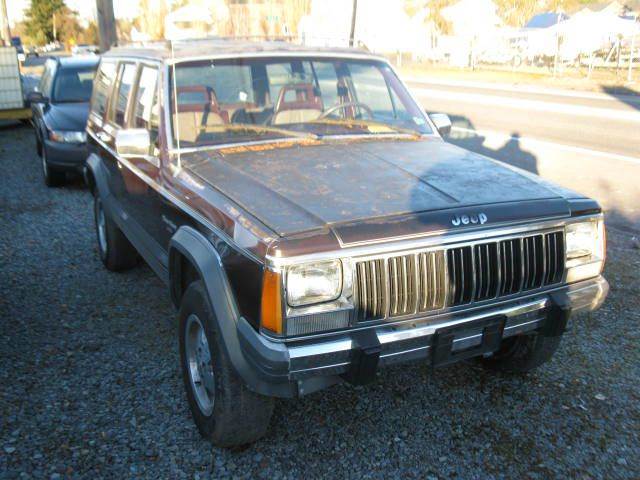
177, 202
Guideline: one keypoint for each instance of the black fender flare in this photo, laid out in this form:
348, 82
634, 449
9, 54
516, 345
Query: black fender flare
205, 258
95, 168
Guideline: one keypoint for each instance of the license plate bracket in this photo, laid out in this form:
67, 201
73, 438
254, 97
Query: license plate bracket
442, 347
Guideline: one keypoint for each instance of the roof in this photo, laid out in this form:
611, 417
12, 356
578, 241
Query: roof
78, 60
545, 20
212, 47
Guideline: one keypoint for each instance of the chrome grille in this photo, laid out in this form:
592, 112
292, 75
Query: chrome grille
370, 290
402, 285
420, 282
431, 281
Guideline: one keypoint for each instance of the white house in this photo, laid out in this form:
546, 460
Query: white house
382, 26
195, 20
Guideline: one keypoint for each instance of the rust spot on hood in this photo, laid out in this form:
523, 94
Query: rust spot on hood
267, 146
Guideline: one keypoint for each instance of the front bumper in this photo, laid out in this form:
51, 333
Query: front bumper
300, 367
66, 156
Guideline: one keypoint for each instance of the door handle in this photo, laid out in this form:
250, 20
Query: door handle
104, 136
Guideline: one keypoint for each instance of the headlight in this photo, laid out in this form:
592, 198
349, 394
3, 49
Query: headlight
314, 283
585, 249
67, 136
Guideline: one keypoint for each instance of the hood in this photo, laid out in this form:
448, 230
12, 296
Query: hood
377, 186
67, 116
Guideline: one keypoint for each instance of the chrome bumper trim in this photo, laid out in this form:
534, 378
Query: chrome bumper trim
390, 335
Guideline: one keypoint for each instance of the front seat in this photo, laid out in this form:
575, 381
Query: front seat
198, 108
297, 103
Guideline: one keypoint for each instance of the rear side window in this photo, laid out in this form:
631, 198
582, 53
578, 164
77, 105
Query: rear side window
127, 77
102, 87
146, 104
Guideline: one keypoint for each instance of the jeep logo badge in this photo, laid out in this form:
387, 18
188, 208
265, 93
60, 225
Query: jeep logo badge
474, 218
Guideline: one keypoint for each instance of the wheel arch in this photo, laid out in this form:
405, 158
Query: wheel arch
95, 176
190, 247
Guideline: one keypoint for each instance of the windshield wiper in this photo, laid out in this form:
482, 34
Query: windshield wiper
257, 129
366, 124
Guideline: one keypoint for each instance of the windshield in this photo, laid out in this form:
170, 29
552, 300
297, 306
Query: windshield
73, 84
240, 100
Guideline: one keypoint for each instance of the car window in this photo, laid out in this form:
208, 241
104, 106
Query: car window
73, 84
237, 100
125, 82
146, 114
102, 87
281, 74
327, 82
229, 84
44, 86
371, 89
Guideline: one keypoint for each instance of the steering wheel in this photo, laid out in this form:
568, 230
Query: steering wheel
330, 110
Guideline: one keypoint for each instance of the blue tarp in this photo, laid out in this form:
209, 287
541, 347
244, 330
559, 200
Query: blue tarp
545, 20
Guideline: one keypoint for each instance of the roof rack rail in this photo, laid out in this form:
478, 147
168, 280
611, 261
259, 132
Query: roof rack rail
151, 44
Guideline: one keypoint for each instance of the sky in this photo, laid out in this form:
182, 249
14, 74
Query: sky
85, 8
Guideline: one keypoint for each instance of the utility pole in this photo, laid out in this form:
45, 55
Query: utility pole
353, 22
106, 24
5, 34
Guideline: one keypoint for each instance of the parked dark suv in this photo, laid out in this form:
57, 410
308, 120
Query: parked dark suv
313, 227
60, 106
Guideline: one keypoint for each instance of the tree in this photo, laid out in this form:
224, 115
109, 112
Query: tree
39, 19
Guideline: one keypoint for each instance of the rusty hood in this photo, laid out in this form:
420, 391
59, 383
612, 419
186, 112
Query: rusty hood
374, 189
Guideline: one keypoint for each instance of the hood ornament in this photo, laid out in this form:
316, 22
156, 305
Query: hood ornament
474, 218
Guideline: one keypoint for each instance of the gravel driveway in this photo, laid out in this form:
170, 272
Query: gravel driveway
90, 383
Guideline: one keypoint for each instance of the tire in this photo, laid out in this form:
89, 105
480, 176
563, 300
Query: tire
52, 178
225, 411
116, 252
522, 354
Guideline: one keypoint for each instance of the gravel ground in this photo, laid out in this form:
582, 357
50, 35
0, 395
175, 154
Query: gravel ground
90, 384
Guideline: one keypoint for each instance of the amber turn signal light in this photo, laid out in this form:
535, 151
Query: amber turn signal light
271, 305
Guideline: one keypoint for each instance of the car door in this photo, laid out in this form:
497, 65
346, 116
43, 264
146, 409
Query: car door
133, 180
142, 175
38, 110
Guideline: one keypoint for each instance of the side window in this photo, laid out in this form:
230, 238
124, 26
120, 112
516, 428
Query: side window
147, 109
126, 78
102, 88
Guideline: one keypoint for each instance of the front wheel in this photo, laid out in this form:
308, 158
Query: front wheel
522, 353
223, 408
52, 178
116, 252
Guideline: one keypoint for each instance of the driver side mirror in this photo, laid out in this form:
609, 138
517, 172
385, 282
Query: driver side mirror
133, 143
36, 97
442, 123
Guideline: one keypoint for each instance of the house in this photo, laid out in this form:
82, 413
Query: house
382, 26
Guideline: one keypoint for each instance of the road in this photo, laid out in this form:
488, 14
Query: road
589, 142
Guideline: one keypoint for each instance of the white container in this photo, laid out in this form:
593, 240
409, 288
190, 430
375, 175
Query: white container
10, 86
